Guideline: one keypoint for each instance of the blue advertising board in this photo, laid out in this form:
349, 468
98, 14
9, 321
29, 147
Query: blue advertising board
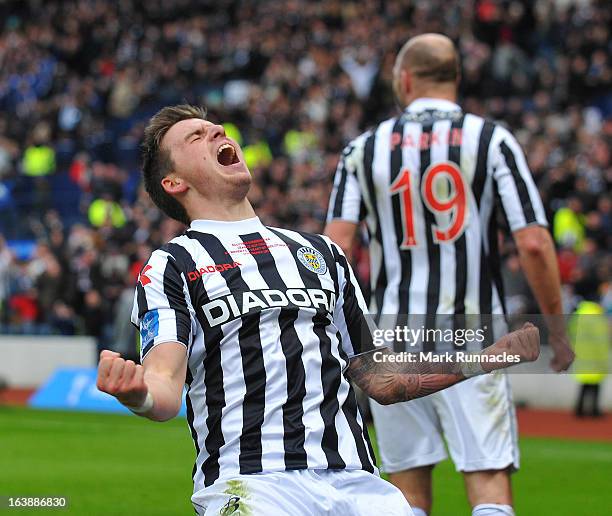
75, 389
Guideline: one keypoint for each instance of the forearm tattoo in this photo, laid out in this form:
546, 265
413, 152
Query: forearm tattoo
390, 382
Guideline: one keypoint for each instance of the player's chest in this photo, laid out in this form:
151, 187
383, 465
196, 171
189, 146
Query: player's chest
257, 277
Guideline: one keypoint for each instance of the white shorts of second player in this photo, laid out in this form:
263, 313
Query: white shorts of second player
302, 493
476, 417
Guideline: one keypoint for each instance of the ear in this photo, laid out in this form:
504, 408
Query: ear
406, 81
173, 185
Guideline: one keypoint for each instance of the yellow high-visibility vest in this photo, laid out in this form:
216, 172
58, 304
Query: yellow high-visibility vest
257, 154
589, 331
101, 210
568, 229
38, 161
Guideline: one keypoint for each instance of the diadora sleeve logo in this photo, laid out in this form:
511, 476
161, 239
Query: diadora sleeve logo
312, 259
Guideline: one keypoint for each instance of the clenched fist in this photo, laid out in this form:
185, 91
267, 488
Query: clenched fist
121, 378
524, 342
563, 354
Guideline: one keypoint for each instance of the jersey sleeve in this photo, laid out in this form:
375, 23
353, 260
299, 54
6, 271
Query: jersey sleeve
346, 201
161, 309
351, 315
516, 188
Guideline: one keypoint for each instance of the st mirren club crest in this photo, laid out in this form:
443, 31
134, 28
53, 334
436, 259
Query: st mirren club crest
312, 259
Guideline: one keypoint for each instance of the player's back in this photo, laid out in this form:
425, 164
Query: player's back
428, 184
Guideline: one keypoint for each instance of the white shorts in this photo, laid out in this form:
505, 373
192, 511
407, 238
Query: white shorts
302, 493
476, 417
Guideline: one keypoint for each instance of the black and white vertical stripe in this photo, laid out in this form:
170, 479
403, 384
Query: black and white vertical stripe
459, 276
265, 388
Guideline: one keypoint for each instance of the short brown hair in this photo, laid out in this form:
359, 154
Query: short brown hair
157, 162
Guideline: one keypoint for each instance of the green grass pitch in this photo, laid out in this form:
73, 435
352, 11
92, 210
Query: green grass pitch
124, 465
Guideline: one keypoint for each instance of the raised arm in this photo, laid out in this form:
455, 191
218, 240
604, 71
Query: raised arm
385, 379
379, 373
152, 390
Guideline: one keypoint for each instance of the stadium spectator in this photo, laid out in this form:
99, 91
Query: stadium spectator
568, 225
590, 334
6, 258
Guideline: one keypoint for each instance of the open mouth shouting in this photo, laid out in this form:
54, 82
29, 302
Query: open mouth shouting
226, 155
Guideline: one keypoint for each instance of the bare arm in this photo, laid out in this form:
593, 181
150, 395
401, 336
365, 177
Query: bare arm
539, 262
388, 381
161, 377
342, 232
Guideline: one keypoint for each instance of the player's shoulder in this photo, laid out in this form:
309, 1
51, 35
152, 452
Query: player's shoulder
354, 153
179, 251
321, 243
356, 143
355, 148
494, 127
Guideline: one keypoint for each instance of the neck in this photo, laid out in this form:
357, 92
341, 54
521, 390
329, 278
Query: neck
434, 91
224, 211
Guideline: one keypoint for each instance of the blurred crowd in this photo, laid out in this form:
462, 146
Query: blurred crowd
294, 81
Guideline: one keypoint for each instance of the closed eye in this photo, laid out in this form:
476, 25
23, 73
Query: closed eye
195, 135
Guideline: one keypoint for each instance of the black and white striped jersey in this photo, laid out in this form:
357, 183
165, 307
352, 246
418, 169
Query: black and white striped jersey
429, 184
270, 319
